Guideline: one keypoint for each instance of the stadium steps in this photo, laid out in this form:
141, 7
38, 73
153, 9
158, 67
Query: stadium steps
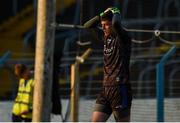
12, 34
29, 11
12, 31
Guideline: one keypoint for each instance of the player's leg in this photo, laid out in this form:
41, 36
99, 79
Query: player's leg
122, 115
99, 116
121, 104
102, 109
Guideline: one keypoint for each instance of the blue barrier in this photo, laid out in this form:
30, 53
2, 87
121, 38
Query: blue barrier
4, 58
160, 84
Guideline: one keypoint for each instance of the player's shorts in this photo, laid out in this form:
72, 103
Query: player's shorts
116, 100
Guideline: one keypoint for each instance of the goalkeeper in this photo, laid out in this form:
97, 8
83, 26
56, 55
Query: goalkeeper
116, 95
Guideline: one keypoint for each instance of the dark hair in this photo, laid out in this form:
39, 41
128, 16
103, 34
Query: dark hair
20, 69
107, 16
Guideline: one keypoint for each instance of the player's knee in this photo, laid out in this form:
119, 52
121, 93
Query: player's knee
124, 119
122, 116
99, 117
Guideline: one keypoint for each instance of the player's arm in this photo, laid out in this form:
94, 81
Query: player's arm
116, 20
92, 23
116, 24
92, 27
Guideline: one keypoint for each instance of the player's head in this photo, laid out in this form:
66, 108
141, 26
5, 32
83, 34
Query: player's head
106, 23
107, 16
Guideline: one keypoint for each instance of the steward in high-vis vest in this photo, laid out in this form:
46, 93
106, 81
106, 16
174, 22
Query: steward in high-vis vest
22, 108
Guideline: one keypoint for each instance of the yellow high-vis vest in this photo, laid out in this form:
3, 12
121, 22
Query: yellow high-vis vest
24, 99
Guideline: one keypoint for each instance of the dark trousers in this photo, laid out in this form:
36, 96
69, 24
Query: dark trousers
16, 118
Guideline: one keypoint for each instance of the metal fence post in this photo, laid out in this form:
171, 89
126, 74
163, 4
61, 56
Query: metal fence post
160, 84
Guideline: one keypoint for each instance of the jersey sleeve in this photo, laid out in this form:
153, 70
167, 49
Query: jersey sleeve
118, 29
116, 24
92, 23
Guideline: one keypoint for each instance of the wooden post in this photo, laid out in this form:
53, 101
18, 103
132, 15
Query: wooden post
44, 61
75, 79
74, 92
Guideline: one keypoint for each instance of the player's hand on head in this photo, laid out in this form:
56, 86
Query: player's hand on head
105, 11
108, 9
115, 10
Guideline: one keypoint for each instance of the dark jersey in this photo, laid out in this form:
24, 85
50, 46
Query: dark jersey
117, 50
